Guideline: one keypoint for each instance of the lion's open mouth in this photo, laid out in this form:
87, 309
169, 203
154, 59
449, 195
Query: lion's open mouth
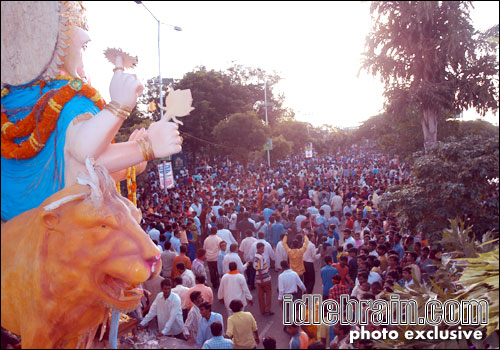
120, 290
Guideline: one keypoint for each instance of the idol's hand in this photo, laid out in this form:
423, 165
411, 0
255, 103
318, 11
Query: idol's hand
165, 138
125, 88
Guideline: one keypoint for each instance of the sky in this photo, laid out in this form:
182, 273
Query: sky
316, 47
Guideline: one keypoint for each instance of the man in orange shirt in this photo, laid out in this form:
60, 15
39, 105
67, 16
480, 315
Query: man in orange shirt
349, 222
183, 258
296, 254
206, 292
343, 270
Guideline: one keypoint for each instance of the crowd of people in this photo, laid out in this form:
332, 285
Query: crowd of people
224, 228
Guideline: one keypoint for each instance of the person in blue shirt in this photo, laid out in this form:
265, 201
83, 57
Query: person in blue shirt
397, 246
207, 318
322, 228
327, 273
276, 230
191, 248
220, 257
176, 242
168, 232
330, 239
267, 213
333, 219
217, 341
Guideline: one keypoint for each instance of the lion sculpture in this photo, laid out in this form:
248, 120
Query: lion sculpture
67, 262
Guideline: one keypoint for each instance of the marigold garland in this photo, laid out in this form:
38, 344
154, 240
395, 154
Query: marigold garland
132, 185
41, 131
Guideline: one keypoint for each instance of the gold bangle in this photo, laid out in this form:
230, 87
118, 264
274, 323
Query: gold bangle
118, 110
146, 148
149, 147
120, 107
141, 142
118, 68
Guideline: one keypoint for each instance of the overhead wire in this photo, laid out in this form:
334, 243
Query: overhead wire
206, 141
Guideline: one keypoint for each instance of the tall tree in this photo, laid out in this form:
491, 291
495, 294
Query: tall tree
253, 79
294, 131
430, 57
281, 148
216, 96
241, 134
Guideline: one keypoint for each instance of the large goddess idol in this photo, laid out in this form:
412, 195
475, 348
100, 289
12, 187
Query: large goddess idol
52, 119
72, 247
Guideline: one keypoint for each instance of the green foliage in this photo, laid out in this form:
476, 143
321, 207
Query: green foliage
479, 280
431, 59
468, 270
401, 134
295, 132
253, 79
219, 94
241, 134
453, 180
328, 140
281, 148
393, 134
463, 128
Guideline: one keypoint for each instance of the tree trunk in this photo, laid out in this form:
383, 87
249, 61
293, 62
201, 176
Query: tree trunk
429, 127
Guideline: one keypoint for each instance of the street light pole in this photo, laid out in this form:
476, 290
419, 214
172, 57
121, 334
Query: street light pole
267, 123
159, 72
159, 56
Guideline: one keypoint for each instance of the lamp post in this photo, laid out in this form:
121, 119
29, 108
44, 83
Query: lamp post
159, 56
267, 123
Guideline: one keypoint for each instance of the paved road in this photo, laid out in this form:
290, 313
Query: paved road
269, 325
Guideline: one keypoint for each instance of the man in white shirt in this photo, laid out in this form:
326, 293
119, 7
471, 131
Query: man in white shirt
167, 308
268, 250
367, 277
182, 292
336, 204
348, 239
233, 286
233, 256
326, 209
347, 209
188, 278
313, 211
211, 245
289, 282
233, 218
261, 226
245, 246
196, 207
310, 256
299, 219
190, 329
154, 233
372, 248
226, 236
280, 253
407, 277
215, 208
